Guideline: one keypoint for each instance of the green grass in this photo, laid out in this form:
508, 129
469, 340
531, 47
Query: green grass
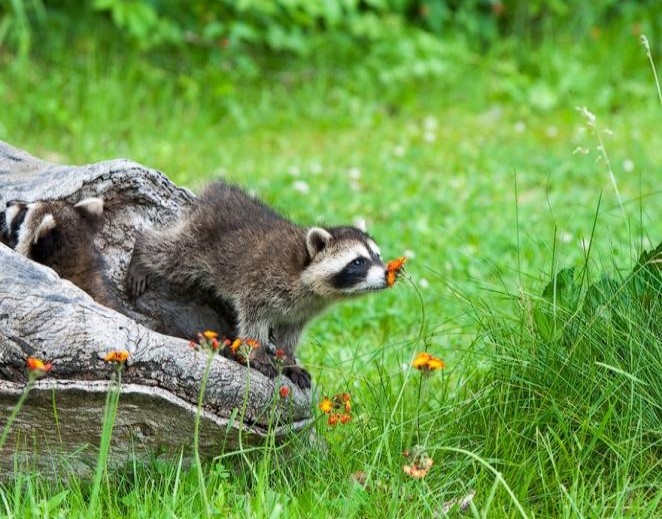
489, 186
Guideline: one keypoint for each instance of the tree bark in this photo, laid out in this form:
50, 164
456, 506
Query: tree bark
44, 316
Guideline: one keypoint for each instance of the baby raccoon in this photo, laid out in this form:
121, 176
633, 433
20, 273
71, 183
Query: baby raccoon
274, 274
61, 236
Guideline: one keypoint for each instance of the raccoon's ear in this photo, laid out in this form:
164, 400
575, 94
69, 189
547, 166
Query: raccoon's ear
90, 207
46, 225
316, 240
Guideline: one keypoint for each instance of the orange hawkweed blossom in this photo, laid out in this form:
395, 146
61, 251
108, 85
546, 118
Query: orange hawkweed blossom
207, 340
326, 405
38, 366
284, 392
243, 350
393, 269
234, 346
119, 356
337, 408
419, 462
426, 362
418, 471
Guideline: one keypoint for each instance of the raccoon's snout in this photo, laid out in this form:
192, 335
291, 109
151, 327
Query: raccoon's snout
374, 279
377, 277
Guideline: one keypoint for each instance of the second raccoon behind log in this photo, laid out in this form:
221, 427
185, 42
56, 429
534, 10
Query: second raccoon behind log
61, 235
274, 274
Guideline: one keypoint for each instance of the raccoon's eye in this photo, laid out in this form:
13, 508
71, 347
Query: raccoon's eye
358, 262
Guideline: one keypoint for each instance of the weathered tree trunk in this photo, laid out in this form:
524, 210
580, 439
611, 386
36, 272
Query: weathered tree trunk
45, 316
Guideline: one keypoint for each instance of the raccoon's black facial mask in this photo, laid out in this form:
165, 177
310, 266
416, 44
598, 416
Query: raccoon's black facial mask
352, 274
16, 224
3, 224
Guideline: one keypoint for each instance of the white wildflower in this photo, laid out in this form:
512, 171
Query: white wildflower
430, 123
628, 165
315, 168
587, 114
301, 186
644, 42
360, 223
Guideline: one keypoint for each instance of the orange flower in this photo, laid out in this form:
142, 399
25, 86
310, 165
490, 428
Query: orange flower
235, 345
393, 269
338, 408
280, 353
421, 360
38, 366
119, 356
284, 391
415, 471
436, 363
426, 362
326, 405
252, 343
420, 462
214, 343
209, 334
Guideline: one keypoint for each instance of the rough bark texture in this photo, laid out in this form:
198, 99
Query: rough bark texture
44, 316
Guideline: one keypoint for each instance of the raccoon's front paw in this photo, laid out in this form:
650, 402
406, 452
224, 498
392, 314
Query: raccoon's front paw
298, 375
136, 280
265, 366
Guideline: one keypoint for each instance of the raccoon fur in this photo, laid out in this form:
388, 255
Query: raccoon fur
274, 274
61, 236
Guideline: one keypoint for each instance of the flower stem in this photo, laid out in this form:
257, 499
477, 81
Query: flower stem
110, 412
14, 413
196, 436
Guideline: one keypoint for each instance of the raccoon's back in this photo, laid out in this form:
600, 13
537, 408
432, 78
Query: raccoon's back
227, 207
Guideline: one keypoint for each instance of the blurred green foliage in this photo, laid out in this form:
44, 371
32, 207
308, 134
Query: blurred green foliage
295, 26
373, 48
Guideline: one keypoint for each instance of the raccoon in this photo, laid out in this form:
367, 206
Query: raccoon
61, 236
275, 275
10, 223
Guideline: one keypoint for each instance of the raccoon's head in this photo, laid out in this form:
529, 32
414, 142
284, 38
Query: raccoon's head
344, 262
42, 231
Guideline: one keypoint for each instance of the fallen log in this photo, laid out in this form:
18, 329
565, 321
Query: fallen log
44, 316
